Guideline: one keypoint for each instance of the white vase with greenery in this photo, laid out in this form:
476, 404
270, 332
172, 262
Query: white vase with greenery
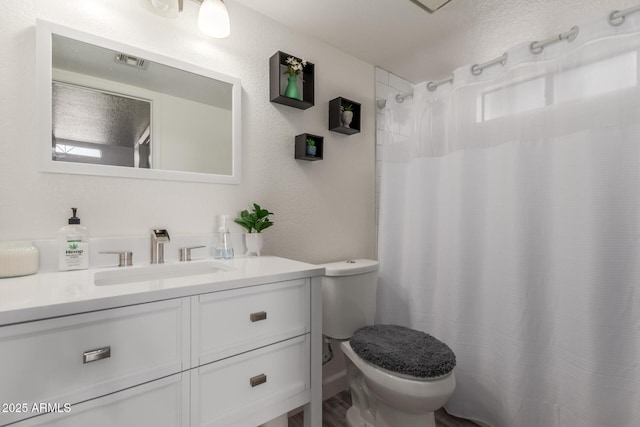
254, 222
346, 114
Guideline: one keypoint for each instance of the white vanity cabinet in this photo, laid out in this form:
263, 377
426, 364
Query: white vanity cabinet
227, 353
71, 359
160, 403
232, 322
251, 350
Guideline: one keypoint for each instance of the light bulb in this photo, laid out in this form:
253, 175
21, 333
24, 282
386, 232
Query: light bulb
213, 19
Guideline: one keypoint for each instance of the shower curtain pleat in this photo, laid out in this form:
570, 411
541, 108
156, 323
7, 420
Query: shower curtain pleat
511, 231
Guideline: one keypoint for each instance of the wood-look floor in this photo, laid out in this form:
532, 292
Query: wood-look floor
334, 411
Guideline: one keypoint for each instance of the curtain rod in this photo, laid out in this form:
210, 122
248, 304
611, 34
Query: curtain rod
434, 85
616, 18
476, 69
537, 47
402, 96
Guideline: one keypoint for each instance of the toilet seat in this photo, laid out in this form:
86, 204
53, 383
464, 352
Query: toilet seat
403, 351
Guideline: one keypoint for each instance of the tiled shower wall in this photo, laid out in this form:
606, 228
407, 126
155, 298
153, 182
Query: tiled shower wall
388, 85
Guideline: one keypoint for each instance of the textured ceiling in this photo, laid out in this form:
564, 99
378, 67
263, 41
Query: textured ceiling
400, 37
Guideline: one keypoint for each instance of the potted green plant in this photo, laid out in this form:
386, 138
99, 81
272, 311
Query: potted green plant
346, 114
254, 222
311, 147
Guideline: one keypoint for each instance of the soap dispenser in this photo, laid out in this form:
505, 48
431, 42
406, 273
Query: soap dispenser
224, 248
73, 245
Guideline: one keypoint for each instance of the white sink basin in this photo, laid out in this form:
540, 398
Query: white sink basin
157, 272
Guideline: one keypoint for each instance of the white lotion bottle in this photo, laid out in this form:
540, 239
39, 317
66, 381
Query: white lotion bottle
73, 245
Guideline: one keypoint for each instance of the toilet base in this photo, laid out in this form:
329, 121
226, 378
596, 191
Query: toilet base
387, 417
355, 420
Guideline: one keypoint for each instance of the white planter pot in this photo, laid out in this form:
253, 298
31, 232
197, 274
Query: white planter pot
254, 243
347, 117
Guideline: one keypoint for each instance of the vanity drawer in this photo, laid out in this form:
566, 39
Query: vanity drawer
224, 392
160, 403
70, 359
231, 322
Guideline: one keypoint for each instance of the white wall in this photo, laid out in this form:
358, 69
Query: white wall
325, 210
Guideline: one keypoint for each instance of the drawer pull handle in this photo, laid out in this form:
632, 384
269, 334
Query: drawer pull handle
256, 317
97, 354
257, 380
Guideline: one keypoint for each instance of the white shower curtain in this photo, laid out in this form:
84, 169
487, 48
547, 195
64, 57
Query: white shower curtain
510, 229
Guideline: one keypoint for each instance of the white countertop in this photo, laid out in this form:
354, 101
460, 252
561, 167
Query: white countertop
46, 295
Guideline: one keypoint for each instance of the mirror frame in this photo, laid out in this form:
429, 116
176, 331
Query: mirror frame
44, 32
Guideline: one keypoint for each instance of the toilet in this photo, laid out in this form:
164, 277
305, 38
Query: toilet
398, 377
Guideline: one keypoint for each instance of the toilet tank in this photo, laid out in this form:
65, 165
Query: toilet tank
348, 296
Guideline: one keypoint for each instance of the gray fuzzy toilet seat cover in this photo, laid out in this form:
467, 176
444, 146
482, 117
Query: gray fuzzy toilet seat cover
403, 350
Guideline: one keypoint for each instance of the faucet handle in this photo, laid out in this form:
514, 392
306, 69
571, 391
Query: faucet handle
125, 258
185, 253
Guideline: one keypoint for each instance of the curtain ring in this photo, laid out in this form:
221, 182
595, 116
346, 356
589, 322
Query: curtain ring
432, 86
535, 48
477, 69
613, 18
569, 36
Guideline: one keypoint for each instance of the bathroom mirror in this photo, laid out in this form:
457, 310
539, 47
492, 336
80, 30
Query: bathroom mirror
105, 108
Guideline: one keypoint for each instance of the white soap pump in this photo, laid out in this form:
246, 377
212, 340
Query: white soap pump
73, 245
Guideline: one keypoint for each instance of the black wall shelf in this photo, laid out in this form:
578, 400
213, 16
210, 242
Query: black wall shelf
278, 82
335, 116
301, 147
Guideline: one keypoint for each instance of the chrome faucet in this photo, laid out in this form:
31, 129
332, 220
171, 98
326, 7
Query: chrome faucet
158, 238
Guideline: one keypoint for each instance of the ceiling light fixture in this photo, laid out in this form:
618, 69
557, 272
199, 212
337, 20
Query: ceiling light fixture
166, 8
430, 5
213, 18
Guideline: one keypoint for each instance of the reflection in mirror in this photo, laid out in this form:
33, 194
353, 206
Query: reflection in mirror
117, 110
93, 126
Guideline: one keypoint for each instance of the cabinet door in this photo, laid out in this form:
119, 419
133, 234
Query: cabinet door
160, 403
231, 322
72, 359
254, 386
